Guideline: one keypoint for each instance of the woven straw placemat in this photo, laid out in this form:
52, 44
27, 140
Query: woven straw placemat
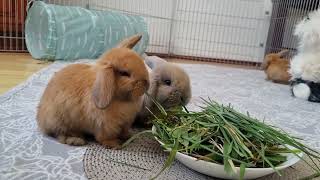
144, 158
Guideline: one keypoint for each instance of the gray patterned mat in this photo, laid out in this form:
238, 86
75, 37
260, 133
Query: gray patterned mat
144, 158
141, 160
26, 154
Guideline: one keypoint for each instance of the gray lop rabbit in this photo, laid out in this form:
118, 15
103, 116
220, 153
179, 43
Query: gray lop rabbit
169, 85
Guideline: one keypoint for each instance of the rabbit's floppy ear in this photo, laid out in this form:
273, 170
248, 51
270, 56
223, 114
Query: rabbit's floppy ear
266, 61
264, 64
103, 87
130, 42
153, 88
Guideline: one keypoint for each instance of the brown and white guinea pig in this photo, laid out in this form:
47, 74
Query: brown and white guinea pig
276, 67
101, 99
169, 85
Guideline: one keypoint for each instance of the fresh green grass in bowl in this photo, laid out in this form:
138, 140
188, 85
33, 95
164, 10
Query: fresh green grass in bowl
225, 136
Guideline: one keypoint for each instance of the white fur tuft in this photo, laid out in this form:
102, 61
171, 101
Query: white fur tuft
301, 91
306, 64
308, 32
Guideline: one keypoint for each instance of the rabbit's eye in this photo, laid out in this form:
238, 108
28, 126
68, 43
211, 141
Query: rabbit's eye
167, 82
124, 73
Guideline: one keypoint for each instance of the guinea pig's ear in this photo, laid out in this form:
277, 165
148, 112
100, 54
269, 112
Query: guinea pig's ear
130, 42
103, 87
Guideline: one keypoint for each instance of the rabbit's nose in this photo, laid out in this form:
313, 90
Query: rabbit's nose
178, 96
140, 87
177, 93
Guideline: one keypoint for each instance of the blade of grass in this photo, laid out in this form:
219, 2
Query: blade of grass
242, 171
162, 110
135, 137
226, 162
169, 160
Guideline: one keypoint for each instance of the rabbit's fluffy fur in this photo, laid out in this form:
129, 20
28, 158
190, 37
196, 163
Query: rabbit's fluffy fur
169, 85
305, 66
276, 67
101, 100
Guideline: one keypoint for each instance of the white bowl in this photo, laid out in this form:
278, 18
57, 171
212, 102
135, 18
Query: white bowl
217, 170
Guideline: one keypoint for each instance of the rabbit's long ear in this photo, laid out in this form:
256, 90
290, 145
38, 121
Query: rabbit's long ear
154, 61
130, 42
149, 63
103, 87
283, 53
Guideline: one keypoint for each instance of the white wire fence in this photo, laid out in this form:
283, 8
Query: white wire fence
285, 15
231, 31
